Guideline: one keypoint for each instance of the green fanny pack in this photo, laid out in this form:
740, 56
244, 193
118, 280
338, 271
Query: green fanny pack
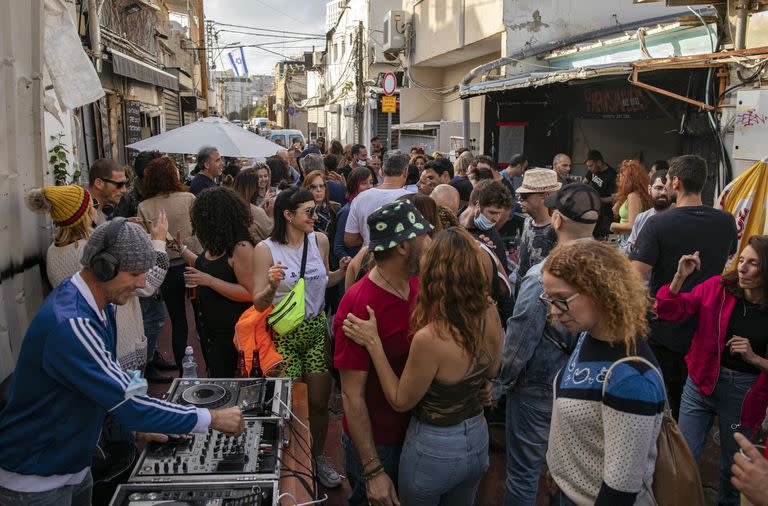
290, 311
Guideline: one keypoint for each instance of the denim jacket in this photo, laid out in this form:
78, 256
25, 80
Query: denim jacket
531, 360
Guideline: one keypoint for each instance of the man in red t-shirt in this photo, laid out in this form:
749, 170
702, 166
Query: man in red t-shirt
373, 431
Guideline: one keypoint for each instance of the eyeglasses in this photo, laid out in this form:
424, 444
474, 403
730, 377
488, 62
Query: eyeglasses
561, 304
310, 211
118, 184
320, 186
524, 196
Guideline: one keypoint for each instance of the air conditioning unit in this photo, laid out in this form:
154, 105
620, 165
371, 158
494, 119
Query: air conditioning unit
318, 59
394, 31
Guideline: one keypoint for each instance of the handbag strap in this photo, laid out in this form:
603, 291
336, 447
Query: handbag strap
304, 256
635, 358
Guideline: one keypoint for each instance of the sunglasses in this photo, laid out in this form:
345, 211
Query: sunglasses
320, 186
310, 211
118, 184
561, 304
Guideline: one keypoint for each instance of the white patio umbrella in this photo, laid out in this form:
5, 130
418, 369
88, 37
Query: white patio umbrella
229, 139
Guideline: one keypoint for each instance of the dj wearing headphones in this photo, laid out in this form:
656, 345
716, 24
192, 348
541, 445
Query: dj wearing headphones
67, 379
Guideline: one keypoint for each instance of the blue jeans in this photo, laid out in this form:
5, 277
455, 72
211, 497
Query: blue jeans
153, 314
528, 419
697, 413
443, 465
71, 495
389, 456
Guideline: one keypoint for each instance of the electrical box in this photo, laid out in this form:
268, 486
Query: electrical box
394, 31
318, 59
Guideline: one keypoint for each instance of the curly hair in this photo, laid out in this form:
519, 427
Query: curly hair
633, 179
220, 220
161, 176
491, 193
453, 290
605, 276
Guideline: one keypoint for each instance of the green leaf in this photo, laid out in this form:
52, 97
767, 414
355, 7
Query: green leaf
63, 155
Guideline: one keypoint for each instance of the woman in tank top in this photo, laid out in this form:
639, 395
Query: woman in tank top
277, 266
454, 354
223, 274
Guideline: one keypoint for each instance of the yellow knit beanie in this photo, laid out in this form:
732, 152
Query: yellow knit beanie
67, 205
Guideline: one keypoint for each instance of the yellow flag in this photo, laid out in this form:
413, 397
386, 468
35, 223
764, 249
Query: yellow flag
746, 198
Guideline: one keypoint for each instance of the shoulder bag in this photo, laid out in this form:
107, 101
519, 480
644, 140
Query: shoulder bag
289, 313
676, 478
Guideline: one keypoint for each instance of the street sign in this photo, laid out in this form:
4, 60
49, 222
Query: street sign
291, 111
390, 84
388, 104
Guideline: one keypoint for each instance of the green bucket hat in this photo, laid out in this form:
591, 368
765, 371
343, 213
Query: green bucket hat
395, 223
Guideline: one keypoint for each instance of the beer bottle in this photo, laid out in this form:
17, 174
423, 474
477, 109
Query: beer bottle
255, 366
241, 371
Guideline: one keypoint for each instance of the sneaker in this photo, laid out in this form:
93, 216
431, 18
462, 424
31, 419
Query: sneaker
162, 364
327, 475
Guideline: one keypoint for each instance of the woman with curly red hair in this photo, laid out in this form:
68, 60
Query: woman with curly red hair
631, 198
609, 397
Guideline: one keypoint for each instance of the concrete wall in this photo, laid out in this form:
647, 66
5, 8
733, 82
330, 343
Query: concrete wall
22, 167
442, 26
533, 22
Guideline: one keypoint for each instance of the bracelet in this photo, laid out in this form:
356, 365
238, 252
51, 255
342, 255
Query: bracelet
183, 249
375, 457
372, 474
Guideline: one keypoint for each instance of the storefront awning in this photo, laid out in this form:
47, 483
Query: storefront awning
128, 66
535, 79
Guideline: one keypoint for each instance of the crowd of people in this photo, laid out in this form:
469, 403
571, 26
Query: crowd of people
435, 293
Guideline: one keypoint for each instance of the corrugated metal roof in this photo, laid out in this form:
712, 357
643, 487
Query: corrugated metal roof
535, 79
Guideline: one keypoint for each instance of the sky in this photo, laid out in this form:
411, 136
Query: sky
305, 16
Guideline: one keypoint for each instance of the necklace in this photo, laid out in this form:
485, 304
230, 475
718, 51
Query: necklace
399, 293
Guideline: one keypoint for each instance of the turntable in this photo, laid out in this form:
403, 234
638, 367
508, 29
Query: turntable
261, 493
257, 397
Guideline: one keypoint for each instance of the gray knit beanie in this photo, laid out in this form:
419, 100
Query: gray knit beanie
132, 247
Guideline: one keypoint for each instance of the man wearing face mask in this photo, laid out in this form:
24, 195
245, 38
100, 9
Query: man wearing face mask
535, 350
489, 203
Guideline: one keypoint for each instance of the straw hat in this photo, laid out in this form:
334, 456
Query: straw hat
539, 181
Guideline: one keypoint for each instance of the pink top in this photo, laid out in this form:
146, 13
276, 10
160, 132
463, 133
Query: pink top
713, 305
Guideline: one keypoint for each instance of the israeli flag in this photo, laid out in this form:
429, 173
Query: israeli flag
237, 59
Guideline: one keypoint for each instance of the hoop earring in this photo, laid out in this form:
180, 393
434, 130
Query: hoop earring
290, 221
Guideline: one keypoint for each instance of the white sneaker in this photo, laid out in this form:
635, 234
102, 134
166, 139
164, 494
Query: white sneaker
327, 475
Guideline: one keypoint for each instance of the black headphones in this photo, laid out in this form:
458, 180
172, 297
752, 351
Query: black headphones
104, 265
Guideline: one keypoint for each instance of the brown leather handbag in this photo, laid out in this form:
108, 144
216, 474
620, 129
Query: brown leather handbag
676, 478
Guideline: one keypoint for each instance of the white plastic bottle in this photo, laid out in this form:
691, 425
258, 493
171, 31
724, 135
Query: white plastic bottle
188, 364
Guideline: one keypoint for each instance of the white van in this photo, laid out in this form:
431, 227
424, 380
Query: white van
287, 137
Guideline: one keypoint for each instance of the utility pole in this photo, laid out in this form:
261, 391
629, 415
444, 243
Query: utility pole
359, 87
202, 57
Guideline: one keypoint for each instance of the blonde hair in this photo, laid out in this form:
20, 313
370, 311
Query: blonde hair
462, 164
83, 230
604, 275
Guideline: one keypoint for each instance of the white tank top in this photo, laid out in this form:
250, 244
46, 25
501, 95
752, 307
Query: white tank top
315, 276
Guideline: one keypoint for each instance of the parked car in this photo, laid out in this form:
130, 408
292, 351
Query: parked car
286, 137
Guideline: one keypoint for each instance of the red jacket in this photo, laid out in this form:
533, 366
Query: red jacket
713, 305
